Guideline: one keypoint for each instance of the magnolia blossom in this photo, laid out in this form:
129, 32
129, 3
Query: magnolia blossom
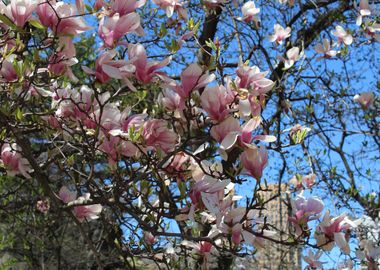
157, 134
364, 10
292, 55
112, 29
20, 11
220, 131
244, 135
305, 210
250, 12
365, 99
312, 259
252, 80
254, 161
7, 71
66, 24
123, 7
325, 49
107, 68
170, 6
309, 180
149, 238
280, 34
215, 101
372, 31
13, 161
193, 78
342, 35
81, 212
171, 101
332, 230
145, 71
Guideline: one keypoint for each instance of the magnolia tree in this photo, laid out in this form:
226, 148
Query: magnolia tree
140, 132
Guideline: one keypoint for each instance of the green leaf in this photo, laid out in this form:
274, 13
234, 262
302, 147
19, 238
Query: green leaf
36, 24
7, 21
19, 114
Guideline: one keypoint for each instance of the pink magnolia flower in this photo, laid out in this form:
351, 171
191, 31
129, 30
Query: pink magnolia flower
107, 68
280, 34
7, 71
193, 78
88, 212
305, 210
178, 164
250, 12
145, 71
157, 134
254, 161
13, 161
81, 212
60, 64
171, 101
124, 7
149, 238
66, 24
98, 4
61, 61
253, 80
244, 135
331, 230
170, 6
20, 11
364, 10
112, 29
66, 195
342, 35
325, 49
220, 131
313, 260
365, 99
309, 180
215, 101
371, 31
292, 55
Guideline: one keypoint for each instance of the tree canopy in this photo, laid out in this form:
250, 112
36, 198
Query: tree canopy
157, 134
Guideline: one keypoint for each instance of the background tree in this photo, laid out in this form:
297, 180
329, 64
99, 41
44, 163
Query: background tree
138, 131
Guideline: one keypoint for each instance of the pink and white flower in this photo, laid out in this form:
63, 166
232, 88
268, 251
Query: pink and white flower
170, 6
365, 99
364, 10
215, 101
254, 161
20, 11
312, 259
156, 134
13, 161
113, 28
280, 34
193, 78
145, 71
292, 55
250, 12
342, 35
305, 210
325, 49
82, 212
66, 24
334, 230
